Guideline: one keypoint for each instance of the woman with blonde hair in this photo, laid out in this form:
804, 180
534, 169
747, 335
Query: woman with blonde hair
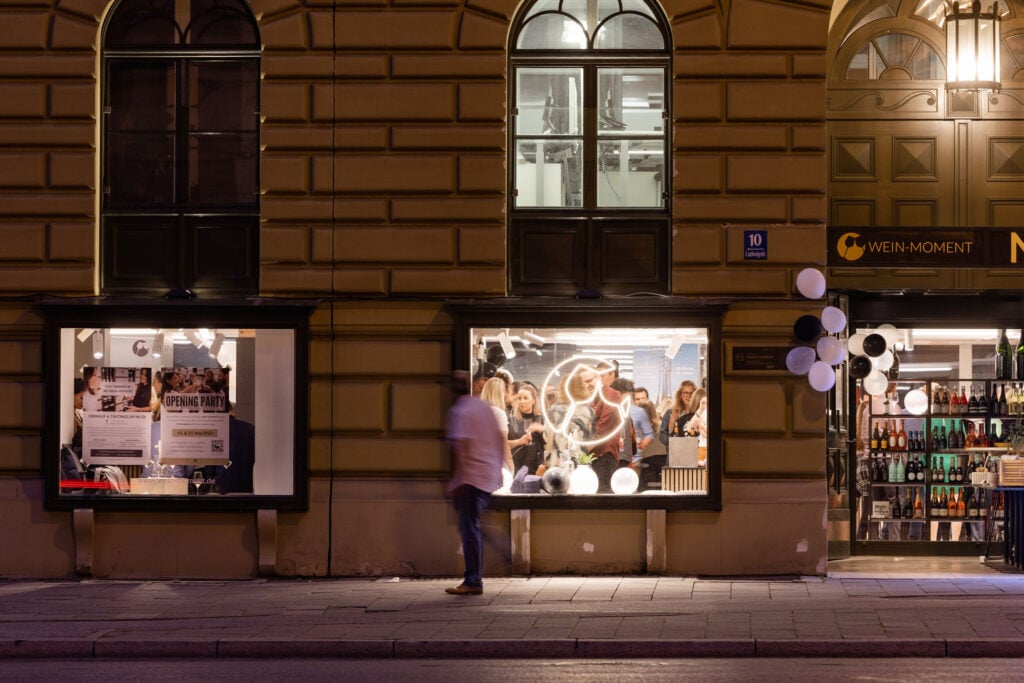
525, 430
680, 406
494, 394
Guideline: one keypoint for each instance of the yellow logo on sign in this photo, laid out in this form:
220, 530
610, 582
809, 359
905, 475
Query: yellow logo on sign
1016, 245
848, 247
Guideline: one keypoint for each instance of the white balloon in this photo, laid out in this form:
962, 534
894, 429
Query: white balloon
811, 283
583, 480
833, 319
821, 376
876, 383
625, 481
799, 359
855, 344
916, 402
883, 362
891, 334
831, 350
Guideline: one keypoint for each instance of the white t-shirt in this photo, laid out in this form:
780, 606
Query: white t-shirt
502, 417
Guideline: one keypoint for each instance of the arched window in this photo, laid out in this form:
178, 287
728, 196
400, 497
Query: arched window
589, 193
180, 139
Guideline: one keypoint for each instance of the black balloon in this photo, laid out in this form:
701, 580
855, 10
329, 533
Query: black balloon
860, 367
495, 356
807, 328
874, 345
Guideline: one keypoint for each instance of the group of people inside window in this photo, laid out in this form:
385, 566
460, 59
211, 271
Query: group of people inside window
580, 415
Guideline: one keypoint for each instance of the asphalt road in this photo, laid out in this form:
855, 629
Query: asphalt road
762, 670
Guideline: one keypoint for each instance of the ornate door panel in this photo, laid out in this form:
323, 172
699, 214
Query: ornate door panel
892, 173
996, 174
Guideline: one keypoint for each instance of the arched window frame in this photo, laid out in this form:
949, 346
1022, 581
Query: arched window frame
591, 237
180, 123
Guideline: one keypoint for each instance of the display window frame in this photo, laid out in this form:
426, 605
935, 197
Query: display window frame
248, 314
626, 314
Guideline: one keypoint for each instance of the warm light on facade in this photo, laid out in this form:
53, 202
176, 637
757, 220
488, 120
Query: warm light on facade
972, 48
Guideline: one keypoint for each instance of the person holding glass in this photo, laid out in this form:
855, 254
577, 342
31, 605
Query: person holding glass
526, 431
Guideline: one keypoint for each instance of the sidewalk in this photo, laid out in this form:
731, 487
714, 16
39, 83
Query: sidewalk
850, 613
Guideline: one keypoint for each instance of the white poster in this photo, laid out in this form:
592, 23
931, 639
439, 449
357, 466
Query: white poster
194, 420
116, 415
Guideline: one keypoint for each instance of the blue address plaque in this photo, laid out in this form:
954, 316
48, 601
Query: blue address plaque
755, 245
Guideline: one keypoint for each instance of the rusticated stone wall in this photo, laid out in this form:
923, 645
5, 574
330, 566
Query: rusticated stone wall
383, 180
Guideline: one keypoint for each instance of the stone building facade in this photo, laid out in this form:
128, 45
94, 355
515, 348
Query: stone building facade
383, 181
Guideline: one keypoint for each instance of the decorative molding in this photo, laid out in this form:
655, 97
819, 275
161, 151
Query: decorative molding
877, 100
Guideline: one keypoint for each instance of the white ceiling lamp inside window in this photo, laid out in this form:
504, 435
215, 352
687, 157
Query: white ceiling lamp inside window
972, 48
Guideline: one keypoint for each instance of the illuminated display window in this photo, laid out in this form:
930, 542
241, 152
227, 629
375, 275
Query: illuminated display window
205, 416
600, 415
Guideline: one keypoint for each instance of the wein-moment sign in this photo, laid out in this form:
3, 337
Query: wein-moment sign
926, 247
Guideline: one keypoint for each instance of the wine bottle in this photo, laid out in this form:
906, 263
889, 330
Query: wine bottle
963, 403
972, 403
897, 508
1004, 405
1020, 356
944, 503
890, 474
908, 505
951, 508
982, 402
944, 403
883, 440
876, 438
961, 507
901, 438
983, 504
936, 400
918, 505
972, 504
1004, 357
943, 441
901, 470
933, 504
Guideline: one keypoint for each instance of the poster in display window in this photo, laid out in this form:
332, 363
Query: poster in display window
194, 422
115, 415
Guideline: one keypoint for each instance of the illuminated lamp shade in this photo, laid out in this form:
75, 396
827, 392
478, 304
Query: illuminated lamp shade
831, 350
916, 402
821, 376
833, 319
800, 359
584, 481
876, 383
97, 345
625, 481
885, 361
811, 283
972, 48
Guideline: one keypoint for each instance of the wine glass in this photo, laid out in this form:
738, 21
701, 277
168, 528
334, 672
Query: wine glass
198, 480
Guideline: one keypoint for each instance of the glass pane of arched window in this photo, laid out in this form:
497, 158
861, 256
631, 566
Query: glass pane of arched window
577, 9
167, 23
926, 64
630, 101
221, 25
881, 12
541, 6
637, 6
865, 65
552, 32
1012, 57
629, 32
932, 11
896, 48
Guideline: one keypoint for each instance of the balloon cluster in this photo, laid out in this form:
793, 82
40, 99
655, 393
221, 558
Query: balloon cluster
817, 361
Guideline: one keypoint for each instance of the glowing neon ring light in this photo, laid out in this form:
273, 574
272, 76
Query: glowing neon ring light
595, 395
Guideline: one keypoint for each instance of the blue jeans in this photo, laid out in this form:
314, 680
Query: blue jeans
470, 502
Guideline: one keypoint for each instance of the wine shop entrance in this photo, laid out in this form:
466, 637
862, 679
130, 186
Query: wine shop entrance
935, 397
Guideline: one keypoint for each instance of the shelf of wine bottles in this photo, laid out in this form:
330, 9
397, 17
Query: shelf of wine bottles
920, 465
